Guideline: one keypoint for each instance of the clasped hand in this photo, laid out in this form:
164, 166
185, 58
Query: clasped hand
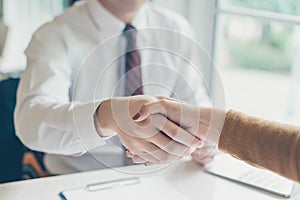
154, 130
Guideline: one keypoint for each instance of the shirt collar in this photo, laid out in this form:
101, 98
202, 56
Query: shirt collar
141, 20
107, 21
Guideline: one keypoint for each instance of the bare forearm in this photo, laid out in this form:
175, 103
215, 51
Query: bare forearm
262, 143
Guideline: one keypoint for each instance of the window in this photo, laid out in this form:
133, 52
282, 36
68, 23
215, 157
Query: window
257, 51
291, 7
22, 18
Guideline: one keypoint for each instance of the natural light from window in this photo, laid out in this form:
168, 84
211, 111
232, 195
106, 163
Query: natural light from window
257, 50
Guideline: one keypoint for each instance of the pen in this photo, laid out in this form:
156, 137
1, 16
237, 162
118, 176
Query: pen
112, 184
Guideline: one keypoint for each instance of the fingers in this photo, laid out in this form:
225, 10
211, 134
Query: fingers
159, 153
203, 161
170, 142
135, 158
175, 132
162, 106
147, 157
160, 156
180, 113
172, 139
170, 146
166, 98
148, 152
197, 157
144, 152
154, 158
152, 154
205, 152
204, 155
138, 160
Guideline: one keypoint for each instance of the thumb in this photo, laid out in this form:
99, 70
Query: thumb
156, 107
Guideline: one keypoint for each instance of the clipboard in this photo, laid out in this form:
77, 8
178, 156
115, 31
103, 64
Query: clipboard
147, 188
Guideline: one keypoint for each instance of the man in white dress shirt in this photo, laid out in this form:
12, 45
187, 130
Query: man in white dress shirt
65, 107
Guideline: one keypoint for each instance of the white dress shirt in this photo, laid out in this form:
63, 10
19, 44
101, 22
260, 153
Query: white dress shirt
71, 69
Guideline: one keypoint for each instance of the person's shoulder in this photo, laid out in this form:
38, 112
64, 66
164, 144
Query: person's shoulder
74, 13
170, 19
71, 17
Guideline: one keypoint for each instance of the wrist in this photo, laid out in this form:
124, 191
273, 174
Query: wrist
105, 119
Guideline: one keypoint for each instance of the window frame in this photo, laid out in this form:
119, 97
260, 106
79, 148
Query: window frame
262, 15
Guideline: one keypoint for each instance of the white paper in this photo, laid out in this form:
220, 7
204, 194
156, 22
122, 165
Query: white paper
149, 188
236, 170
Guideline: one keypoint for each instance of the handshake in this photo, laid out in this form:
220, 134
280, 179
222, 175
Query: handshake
160, 130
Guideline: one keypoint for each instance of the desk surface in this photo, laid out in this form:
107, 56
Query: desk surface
187, 176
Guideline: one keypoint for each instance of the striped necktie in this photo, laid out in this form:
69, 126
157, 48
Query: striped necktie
133, 83
133, 75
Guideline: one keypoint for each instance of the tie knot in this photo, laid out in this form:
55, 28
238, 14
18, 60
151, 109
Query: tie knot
129, 27
130, 33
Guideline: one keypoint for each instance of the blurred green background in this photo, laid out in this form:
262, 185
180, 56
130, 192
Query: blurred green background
273, 50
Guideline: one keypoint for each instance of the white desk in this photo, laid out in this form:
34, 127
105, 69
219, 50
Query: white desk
186, 176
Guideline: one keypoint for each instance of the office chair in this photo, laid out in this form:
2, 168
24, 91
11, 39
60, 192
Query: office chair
71, 2
11, 149
16, 161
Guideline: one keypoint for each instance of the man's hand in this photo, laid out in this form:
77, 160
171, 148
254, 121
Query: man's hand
154, 140
204, 123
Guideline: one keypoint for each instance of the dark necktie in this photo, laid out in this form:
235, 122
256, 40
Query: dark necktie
133, 83
133, 74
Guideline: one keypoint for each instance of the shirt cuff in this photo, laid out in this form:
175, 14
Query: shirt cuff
97, 127
85, 126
